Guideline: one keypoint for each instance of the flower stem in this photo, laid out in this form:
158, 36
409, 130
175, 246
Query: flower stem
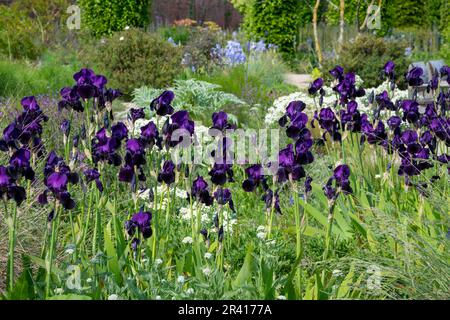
12, 241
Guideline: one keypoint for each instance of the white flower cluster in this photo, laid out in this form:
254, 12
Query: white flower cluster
277, 110
186, 213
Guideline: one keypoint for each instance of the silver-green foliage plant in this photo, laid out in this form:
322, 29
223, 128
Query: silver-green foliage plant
200, 98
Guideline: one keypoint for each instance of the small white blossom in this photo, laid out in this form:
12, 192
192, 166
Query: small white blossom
188, 240
89, 280
127, 27
337, 273
261, 229
113, 297
158, 298
121, 38
190, 291
59, 290
206, 271
261, 235
280, 297
158, 262
208, 255
180, 279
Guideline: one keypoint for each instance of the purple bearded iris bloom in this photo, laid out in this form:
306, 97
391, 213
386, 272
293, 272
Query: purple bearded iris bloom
315, 86
141, 222
162, 104
394, 123
200, 192
351, 117
19, 164
65, 127
441, 128
308, 187
220, 173
337, 73
328, 121
8, 187
272, 201
389, 70
293, 109
289, 169
149, 135
93, 175
134, 160
178, 129
105, 148
445, 73
119, 131
136, 114
220, 121
57, 184
410, 111
255, 177
341, 181
223, 196
167, 174
414, 77
384, 102
346, 88
70, 100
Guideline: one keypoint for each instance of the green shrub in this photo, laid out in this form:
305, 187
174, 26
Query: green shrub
20, 79
197, 50
445, 50
275, 21
18, 35
179, 34
366, 56
108, 16
134, 58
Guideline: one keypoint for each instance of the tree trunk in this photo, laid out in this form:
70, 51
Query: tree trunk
316, 35
341, 25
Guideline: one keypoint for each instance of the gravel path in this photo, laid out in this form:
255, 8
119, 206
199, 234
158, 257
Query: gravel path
301, 81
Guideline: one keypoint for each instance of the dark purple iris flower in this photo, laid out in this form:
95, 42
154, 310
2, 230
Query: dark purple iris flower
8, 187
288, 167
441, 128
57, 183
337, 72
179, 128
351, 117
308, 187
119, 131
65, 127
394, 122
141, 222
346, 88
221, 173
200, 192
272, 200
30, 104
255, 177
389, 69
135, 153
167, 174
341, 181
434, 83
93, 175
414, 77
223, 196
105, 148
149, 134
410, 111
136, 114
220, 121
328, 121
293, 109
70, 100
445, 72
315, 86
384, 102
162, 104
20, 164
